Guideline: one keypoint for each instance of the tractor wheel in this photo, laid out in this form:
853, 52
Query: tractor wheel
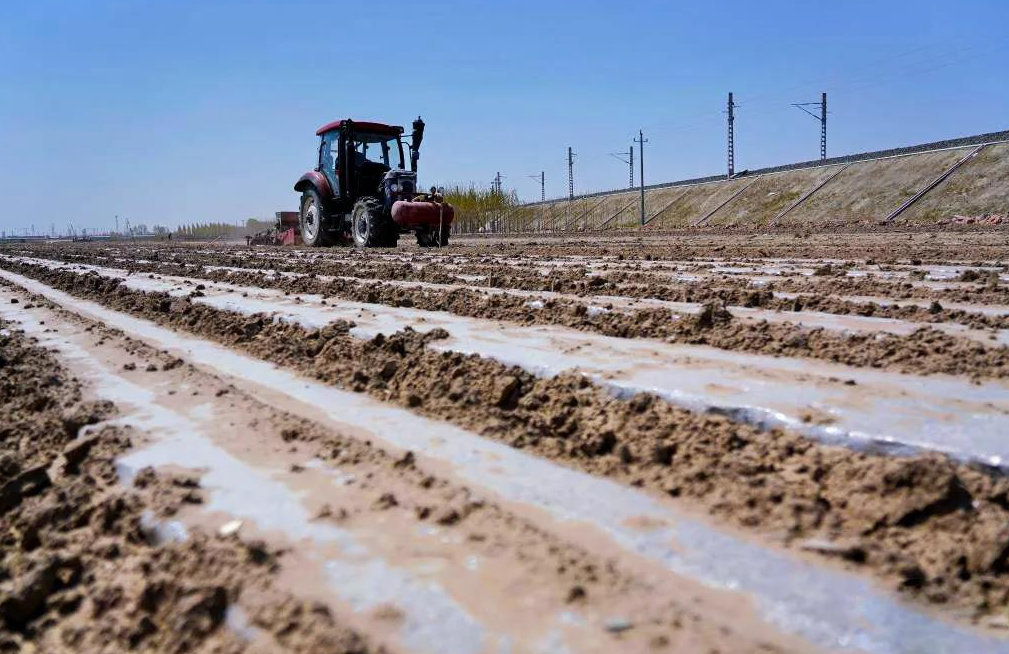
313, 229
371, 229
429, 238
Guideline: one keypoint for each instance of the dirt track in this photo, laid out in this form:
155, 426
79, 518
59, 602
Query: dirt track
475, 347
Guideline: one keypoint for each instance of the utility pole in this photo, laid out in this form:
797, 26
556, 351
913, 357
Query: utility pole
497, 190
629, 161
543, 197
571, 174
641, 140
630, 167
823, 126
571, 187
542, 179
822, 104
732, 136
117, 223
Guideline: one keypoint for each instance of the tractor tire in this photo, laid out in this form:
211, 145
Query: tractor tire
370, 228
312, 220
429, 238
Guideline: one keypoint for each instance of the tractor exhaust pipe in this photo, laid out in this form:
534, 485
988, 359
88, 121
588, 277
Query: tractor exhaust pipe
415, 141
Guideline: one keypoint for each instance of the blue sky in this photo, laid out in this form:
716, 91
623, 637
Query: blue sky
193, 111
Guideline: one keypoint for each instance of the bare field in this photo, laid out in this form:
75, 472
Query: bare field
715, 441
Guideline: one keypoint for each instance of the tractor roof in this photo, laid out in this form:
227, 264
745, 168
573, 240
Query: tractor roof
364, 126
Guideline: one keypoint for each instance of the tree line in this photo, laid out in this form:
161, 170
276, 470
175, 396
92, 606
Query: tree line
223, 230
479, 209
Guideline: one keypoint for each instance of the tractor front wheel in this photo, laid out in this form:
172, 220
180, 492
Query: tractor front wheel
371, 229
313, 231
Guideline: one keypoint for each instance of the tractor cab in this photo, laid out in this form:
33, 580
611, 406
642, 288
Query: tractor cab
358, 158
361, 189
372, 159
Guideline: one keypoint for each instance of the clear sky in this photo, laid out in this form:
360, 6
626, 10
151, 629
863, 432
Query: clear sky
189, 111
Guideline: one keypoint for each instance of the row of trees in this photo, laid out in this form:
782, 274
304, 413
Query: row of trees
142, 230
479, 209
222, 230
207, 230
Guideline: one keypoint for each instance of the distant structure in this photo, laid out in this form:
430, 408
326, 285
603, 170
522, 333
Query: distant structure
629, 160
732, 136
542, 179
641, 140
571, 174
822, 104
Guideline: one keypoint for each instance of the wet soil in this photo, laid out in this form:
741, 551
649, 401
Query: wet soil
928, 527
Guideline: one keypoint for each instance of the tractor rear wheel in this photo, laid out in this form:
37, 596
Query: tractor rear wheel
313, 229
429, 238
371, 229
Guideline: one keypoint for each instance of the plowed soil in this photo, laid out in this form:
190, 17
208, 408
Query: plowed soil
83, 565
924, 351
82, 568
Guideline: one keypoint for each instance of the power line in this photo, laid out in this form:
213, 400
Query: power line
619, 156
916, 61
875, 65
822, 104
850, 85
542, 179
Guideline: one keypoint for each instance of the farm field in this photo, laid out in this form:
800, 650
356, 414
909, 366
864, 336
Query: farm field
706, 441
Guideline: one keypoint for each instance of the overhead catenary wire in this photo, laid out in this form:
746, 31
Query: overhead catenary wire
912, 62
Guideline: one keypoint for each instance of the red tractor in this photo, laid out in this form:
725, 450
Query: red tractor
360, 189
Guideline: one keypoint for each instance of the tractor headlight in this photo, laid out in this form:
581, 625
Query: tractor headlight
394, 187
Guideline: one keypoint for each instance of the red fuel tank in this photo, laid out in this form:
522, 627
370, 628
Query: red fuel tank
417, 214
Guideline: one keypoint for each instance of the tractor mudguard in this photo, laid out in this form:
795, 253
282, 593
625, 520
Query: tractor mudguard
319, 181
422, 214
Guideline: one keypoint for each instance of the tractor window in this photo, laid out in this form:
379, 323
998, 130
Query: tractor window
378, 149
328, 151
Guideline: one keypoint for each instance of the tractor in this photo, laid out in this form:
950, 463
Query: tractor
360, 190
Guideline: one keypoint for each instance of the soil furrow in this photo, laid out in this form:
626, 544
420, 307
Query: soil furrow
907, 520
818, 294
925, 351
433, 520
84, 567
870, 409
